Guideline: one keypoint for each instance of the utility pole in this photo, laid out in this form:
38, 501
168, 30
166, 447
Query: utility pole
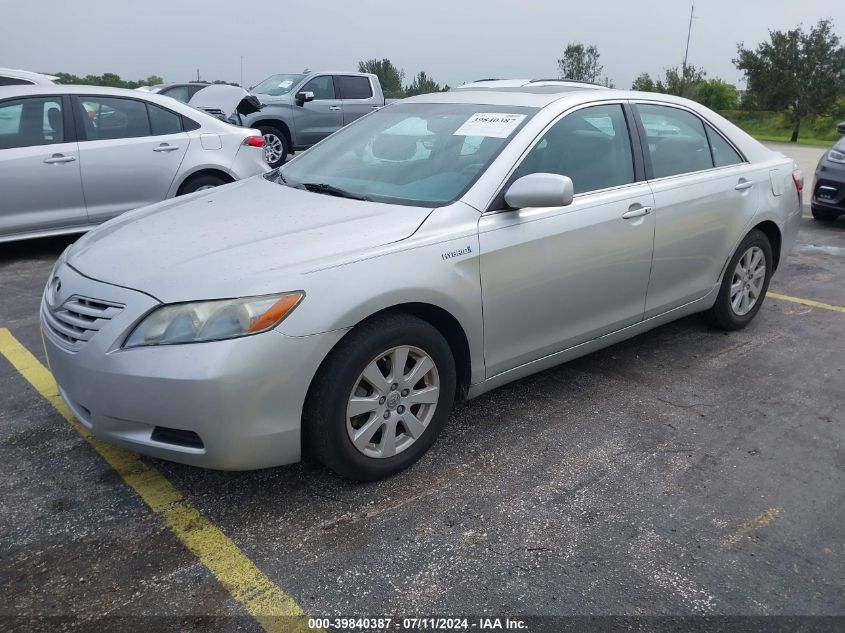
198, 74
686, 52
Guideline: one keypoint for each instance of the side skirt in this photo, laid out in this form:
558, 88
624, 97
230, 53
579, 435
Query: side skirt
596, 344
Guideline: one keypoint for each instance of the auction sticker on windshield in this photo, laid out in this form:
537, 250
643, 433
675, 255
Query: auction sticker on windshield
495, 124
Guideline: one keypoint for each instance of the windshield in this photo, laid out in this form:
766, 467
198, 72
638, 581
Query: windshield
422, 154
276, 85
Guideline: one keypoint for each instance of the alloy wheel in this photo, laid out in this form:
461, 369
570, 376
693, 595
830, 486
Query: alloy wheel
747, 281
274, 148
392, 402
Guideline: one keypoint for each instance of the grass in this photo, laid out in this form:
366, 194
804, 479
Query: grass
777, 127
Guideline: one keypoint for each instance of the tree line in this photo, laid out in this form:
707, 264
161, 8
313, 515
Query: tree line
113, 80
801, 73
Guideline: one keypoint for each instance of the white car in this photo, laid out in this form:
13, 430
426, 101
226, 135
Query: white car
13, 77
72, 157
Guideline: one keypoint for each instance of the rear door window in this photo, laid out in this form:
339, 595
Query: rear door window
352, 87
677, 142
31, 121
723, 153
163, 121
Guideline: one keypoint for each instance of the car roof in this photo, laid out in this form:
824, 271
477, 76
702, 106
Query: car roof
7, 92
526, 83
27, 74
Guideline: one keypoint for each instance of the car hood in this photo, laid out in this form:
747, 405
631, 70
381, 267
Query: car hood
248, 238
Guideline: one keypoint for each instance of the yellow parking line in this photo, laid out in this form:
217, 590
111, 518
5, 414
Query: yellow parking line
806, 302
271, 607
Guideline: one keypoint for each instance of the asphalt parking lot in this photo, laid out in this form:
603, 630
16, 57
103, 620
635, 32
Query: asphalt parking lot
684, 472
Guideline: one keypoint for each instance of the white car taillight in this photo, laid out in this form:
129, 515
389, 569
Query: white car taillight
254, 141
798, 180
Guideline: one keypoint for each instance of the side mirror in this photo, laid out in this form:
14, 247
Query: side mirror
302, 97
841, 128
540, 190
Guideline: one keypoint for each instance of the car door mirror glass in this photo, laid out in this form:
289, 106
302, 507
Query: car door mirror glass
540, 190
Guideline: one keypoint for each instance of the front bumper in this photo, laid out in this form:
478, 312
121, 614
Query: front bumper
829, 187
242, 397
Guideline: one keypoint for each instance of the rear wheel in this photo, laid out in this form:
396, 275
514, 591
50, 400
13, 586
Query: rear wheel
275, 145
744, 285
201, 183
823, 214
381, 398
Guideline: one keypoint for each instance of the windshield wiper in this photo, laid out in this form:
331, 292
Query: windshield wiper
331, 190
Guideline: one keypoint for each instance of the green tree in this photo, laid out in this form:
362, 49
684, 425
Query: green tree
422, 84
716, 94
644, 83
389, 76
801, 72
111, 80
681, 82
580, 63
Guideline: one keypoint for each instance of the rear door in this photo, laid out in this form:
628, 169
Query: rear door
39, 166
705, 195
130, 152
315, 120
357, 95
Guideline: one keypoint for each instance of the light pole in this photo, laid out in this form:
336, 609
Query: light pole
686, 52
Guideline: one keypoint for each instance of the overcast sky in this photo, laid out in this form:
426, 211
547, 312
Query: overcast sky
452, 40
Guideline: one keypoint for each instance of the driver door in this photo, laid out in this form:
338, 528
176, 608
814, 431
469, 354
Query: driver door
315, 120
553, 278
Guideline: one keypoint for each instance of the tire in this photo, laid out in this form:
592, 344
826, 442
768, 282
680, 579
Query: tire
724, 314
276, 146
203, 181
327, 428
823, 215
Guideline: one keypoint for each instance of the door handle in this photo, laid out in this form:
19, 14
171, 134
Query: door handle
164, 147
636, 213
334, 107
742, 185
55, 159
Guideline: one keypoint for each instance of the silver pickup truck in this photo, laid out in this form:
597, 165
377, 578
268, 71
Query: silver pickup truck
299, 110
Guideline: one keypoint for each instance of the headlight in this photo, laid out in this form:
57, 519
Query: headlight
836, 157
200, 321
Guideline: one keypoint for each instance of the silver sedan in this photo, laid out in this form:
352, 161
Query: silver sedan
433, 250
72, 157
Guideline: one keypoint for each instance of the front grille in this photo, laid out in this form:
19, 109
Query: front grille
78, 319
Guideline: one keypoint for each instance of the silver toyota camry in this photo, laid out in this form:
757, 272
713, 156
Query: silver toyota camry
433, 250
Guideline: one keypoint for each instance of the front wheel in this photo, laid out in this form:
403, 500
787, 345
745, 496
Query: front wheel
275, 145
381, 398
744, 285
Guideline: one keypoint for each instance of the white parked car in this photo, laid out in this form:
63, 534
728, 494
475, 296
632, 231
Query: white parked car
72, 157
13, 77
